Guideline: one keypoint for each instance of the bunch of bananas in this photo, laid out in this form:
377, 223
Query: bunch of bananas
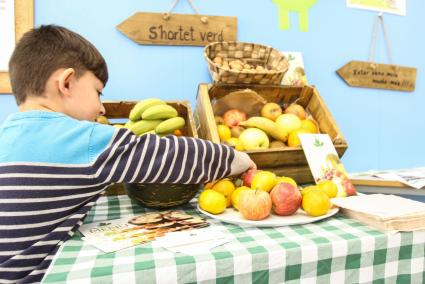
154, 116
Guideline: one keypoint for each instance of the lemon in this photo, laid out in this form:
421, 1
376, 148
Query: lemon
212, 201
329, 187
224, 132
225, 187
235, 143
235, 196
316, 203
309, 188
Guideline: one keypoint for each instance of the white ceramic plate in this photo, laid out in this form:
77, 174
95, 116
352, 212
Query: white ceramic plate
300, 217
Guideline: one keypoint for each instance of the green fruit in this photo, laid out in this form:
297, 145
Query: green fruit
143, 126
159, 112
140, 107
129, 123
169, 125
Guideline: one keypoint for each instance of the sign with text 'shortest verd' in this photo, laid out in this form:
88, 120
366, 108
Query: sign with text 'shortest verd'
381, 76
178, 29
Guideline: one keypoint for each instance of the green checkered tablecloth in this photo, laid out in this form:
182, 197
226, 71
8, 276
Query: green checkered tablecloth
335, 250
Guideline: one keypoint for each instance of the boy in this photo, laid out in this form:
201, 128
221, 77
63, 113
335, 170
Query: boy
55, 161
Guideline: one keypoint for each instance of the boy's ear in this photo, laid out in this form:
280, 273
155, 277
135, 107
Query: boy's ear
64, 81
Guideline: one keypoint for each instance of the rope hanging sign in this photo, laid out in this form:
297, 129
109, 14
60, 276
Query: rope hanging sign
382, 76
178, 29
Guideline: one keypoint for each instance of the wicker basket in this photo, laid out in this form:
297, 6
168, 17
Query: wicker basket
161, 196
261, 64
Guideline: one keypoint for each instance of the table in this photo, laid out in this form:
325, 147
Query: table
335, 250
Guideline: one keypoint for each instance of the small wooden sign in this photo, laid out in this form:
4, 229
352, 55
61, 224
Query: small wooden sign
381, 76
178, 29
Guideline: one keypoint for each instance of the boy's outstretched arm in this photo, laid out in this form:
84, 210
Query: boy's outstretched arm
152, 159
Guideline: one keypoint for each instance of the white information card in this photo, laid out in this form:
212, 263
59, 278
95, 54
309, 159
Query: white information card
7, 32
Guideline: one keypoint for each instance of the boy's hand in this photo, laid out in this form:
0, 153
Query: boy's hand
252, 166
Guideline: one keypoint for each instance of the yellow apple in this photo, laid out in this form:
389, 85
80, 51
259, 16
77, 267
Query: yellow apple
254, 139
288, 122
264, 180
271, 111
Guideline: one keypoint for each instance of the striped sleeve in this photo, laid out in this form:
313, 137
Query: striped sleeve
152, 159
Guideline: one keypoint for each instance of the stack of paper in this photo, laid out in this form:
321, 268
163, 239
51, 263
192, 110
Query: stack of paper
385, 212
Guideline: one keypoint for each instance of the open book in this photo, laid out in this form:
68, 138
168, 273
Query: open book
384, 212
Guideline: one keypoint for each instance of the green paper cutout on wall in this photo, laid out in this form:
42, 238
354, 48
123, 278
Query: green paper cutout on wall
299, 6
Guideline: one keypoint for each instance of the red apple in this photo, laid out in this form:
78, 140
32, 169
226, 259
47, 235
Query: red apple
349, 187
254, 204
286, 199
232, 117
296, 109
247, 177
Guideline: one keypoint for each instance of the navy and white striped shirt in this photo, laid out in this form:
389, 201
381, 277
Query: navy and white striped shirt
53, 168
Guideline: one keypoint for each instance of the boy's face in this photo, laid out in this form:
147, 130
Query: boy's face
84, 102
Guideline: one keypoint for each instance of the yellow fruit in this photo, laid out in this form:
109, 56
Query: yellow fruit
293, 139
235, 143
329, 187
287, 180
102, 119
288, 122
316, 203
224, 132
225, 187
235, 196
263, 180
308, 188
309, 125
212, 201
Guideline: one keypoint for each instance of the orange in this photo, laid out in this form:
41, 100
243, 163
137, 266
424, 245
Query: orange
293, 140
316, 203
178, 132
212, 201
329, 187
235, 196
224, 132
235, 143
309, 125
225, 187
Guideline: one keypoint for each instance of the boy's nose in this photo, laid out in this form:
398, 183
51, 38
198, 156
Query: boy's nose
102, 109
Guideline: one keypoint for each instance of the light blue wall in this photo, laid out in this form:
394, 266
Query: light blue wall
384, 129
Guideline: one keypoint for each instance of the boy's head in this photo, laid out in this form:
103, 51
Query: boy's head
44, 50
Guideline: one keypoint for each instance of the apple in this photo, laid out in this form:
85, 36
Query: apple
248, 176
349, 187
254, 204
296, 109
271, 111
286, 199
288, 122
264, 180
232, 117
287, 180
254, 139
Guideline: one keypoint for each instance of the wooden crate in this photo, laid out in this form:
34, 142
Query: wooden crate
289, 161
121, 109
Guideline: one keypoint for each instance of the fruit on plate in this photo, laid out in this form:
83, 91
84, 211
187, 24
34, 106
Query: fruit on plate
254, 204
316, 203
233, 117
271, 111
296, 109
286, 199
225, 187
247, 177
288, 122
224, 132
235, 196
267, 125
212, 201
254, 139
140, 107
286, 179
263, 180
329, 187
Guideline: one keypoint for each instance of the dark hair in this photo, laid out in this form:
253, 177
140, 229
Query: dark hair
43, 50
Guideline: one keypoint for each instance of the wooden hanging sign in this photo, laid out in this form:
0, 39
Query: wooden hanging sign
178, 29
381, 76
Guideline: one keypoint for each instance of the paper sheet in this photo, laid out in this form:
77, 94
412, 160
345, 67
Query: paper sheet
7, 32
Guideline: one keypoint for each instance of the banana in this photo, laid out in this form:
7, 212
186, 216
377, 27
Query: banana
129, 123
169, 125
143, 126
267, 126
159, 112
140, 107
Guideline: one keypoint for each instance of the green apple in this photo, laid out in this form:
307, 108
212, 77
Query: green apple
254, 139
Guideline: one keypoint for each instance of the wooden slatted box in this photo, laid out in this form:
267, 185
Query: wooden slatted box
288, 161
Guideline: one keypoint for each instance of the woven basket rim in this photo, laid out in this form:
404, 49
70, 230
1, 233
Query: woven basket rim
243, 72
